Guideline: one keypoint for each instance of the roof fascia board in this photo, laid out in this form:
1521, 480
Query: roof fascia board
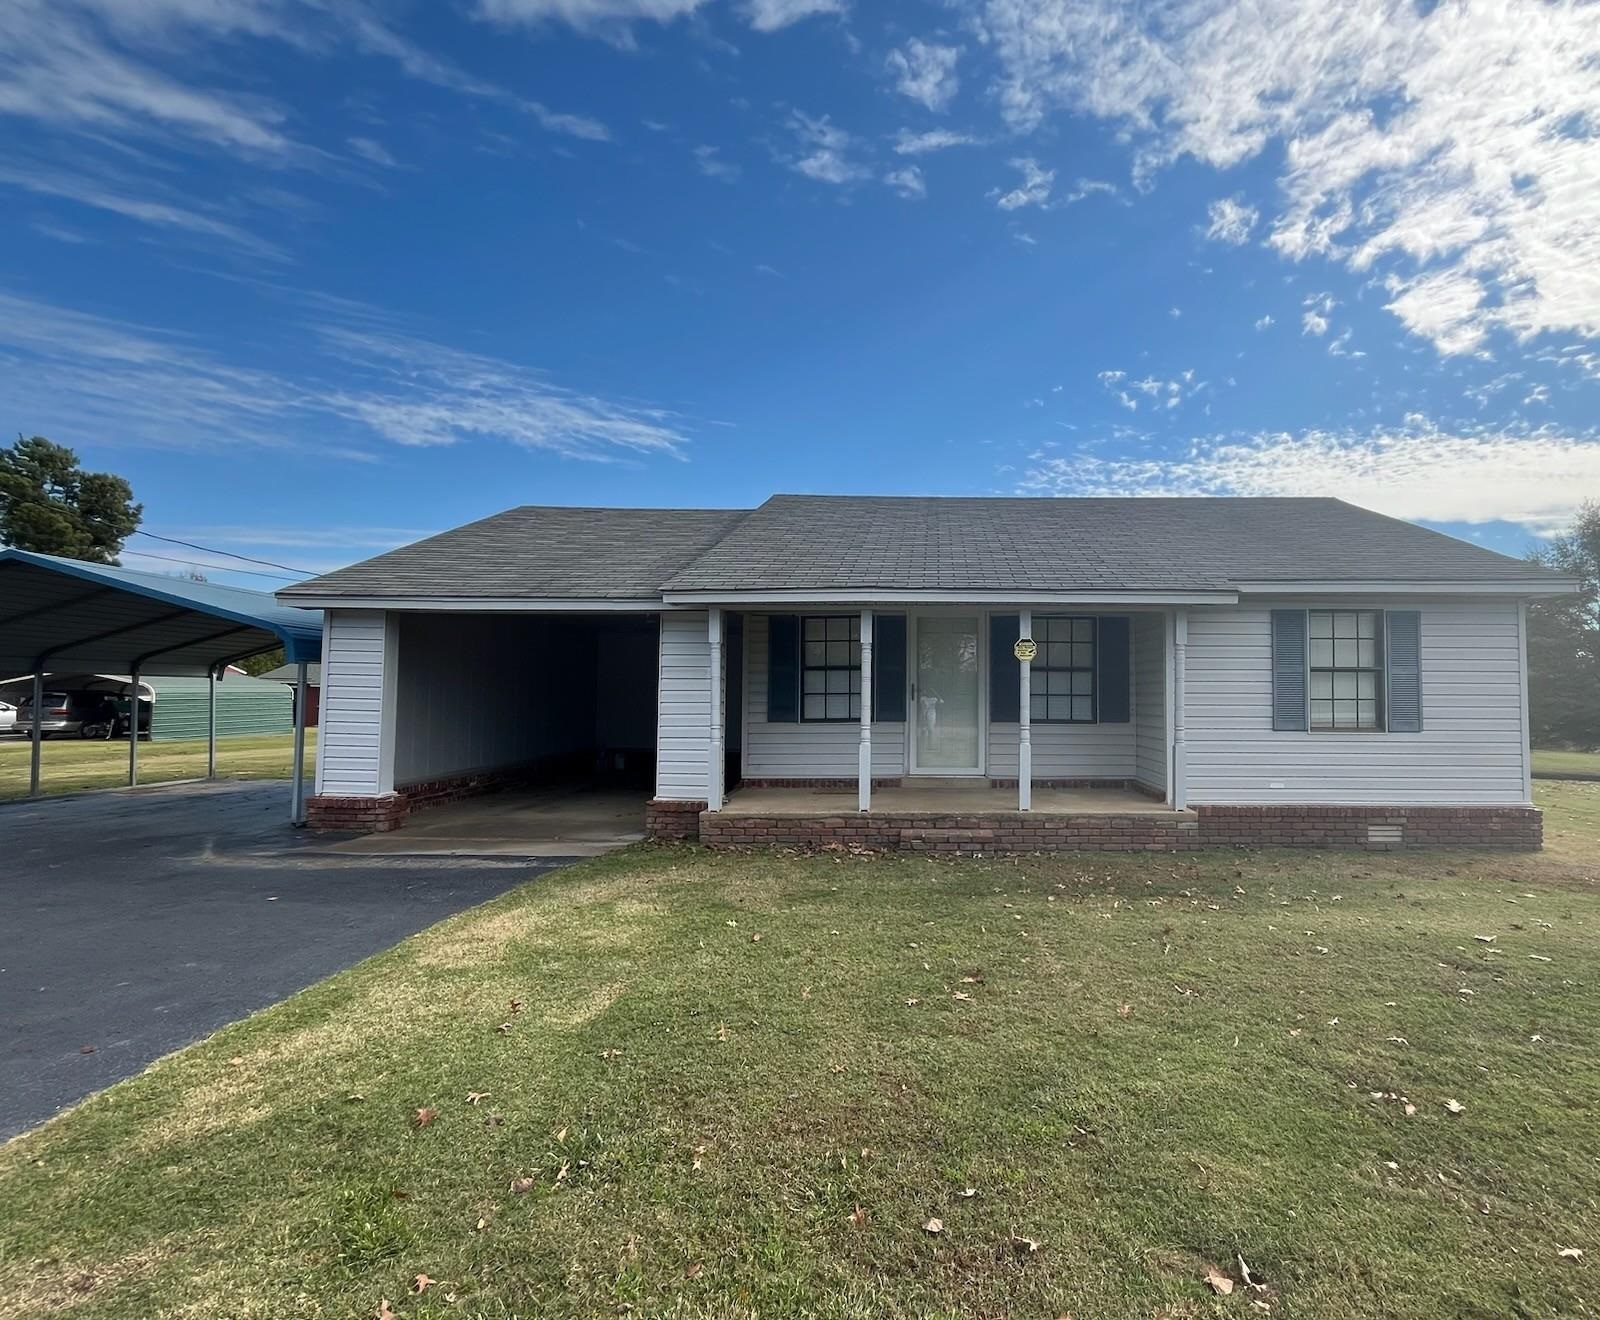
687, 599
484, 605
1545, 587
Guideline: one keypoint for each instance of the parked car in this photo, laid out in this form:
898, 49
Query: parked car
8, 716
81, 715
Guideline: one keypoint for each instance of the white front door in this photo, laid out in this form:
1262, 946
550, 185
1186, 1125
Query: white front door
947, 714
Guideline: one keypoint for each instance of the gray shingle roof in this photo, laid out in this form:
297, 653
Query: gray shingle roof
537, 551
822, 543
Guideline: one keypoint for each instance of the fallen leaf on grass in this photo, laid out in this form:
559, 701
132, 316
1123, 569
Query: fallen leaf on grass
694, 1271
837, 1070
967, 1193
474, 1096
504, 1028
805, 992
756, 938
1571, 1253
516, 1006
424, 1116
1217, 1281
912, 1002
384, 1311
1454, 1106
1026, 1245
610, 1054
934, 1226
722, 1031
521, 1186
1124, 1010
961, 995
421, 1284
858, 1217
561, 1173
1485, 939
699, 1156
236, 1062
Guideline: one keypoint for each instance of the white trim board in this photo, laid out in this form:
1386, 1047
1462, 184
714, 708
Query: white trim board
483, 605
1111, 602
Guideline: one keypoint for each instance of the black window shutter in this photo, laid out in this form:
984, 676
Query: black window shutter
889, 668
1404, 655
1111, 667
1289, 670
1005, 674
783, 669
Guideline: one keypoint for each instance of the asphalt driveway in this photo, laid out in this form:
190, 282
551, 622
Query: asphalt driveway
132, 924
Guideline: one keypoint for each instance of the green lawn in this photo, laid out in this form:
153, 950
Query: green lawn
1560, 765
671, 1083
70, 766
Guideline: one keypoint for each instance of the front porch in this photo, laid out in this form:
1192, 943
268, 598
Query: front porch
932, 797
950, 818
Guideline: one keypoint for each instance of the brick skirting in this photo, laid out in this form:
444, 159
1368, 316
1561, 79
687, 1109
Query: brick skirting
668, 821
366, 815
389, 812
1366, 828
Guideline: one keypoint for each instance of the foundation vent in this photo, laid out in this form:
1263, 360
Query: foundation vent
1386, 836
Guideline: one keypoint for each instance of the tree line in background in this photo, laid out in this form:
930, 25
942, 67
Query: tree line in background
1564, 642
49, 504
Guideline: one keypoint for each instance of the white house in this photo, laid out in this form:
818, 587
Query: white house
952, 674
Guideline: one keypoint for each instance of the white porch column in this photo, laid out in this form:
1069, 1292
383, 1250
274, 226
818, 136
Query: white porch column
1180, 751
714, 752
38, 728
864, 754
297, 791
1025, 722
133, 729
211, 722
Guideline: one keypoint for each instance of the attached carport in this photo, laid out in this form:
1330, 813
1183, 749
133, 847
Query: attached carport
64, 614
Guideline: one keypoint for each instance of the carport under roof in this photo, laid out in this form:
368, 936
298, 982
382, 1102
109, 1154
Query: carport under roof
66, 614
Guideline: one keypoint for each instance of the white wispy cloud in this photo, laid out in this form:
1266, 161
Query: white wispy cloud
824, 151
1230, 220
925, 72
907, 181
1456, 143
772, 15
1262, 322
1034, 190
1153, 393
709, 161
81, 377
1318, 308
1534, 477
908, 143
371, 149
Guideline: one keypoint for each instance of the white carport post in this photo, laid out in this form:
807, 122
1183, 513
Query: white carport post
38, 729
864, 755
1180, 740
211, 722
1025, 717
133, 728
714, 754
297, 793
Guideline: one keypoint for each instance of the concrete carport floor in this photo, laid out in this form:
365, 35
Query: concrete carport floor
537, 822
137, 922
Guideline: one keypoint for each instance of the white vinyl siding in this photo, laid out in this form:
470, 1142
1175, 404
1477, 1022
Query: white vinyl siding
349, 741
683, 717
1469, 752
1150, 699
1065, 751
807, 751
481, 692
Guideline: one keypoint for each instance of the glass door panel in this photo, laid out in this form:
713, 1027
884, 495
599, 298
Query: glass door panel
946, 694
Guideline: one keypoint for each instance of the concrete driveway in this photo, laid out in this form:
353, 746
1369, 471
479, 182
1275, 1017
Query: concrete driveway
134, 923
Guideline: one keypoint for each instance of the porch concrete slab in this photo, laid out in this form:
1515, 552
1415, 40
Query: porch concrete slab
546, 822
943, 799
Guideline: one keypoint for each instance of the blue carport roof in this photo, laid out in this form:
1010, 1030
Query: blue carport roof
66, 614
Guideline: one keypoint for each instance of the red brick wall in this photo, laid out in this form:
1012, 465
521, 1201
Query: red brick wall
1381, 828
376, 814
368, 815
669, 821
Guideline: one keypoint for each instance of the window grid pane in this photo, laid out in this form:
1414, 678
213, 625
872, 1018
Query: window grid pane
1062, 675
1346, 664
830, 668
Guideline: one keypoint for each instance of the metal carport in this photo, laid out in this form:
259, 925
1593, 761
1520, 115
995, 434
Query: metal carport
67, 614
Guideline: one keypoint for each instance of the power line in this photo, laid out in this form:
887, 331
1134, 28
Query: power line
221, 568
304, 572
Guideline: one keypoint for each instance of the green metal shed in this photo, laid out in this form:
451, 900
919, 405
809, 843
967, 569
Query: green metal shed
244, 705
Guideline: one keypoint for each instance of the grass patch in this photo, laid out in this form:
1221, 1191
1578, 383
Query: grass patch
1566, 765
664, 1081
69, 765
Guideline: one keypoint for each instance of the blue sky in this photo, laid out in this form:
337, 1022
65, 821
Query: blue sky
321, 276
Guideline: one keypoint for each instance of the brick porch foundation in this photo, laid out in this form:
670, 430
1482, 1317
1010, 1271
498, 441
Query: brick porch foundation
1366, 828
